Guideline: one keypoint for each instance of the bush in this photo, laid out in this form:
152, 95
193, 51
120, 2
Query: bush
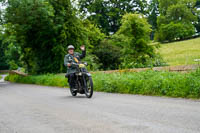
93, 62
109, 55
13, 65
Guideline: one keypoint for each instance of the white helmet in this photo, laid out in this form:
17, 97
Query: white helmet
70, 47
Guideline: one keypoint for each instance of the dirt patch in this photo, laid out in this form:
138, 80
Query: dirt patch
13, 72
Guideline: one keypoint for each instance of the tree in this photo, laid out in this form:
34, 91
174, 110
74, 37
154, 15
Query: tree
3, 61
173, 31
134, 35
179, 17
107, 14
197, 25
94, 36
43, 29
153, 12
12, 49
3, 64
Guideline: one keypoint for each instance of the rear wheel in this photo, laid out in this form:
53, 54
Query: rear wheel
89, 87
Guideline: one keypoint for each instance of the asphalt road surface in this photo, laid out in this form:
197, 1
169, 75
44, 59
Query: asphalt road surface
39, 109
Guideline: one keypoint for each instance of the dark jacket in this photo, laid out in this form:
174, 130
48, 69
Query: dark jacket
68, 57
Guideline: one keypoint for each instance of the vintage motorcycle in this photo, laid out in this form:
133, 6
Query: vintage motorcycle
83, 81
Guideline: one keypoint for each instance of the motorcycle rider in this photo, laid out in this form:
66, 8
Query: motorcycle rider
70, 58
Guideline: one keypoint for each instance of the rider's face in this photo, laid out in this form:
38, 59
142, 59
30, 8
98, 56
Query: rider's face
71, 51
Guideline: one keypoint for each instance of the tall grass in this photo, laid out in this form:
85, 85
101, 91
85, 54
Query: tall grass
151, 83
170, 84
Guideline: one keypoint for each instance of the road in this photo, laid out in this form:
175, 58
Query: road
39, 109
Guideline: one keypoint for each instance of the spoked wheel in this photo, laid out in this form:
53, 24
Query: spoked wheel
89, 87
74, 93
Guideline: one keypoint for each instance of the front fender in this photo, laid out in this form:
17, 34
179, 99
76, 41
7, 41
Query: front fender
89, 75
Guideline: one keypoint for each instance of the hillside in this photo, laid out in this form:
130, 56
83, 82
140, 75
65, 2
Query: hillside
181, 53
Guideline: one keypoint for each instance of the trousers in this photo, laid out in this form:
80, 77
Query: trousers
71, 80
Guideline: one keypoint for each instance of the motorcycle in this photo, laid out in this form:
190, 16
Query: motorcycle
83, 81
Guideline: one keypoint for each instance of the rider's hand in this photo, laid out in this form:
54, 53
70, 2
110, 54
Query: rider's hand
69, 64
83, 47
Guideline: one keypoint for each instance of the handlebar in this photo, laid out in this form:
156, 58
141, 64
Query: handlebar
78, 64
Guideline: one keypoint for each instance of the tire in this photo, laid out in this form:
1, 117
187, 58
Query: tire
89, 90
73, 93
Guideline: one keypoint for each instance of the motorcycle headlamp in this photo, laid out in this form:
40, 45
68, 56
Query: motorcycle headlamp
81, 65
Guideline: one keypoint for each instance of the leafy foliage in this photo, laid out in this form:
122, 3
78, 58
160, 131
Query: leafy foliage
176, 20
153, 13
107, 14
197, 25
175, 31
3, 63
134, 35
93, 35
36, 33
43, 29
109, 55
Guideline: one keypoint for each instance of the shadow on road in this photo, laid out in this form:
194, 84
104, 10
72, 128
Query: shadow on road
70, 97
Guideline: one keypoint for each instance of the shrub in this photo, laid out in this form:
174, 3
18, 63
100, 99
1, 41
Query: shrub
108, 54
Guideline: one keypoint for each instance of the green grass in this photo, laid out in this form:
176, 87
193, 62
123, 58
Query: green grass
145, 83
181, 53
1, 77
47, 80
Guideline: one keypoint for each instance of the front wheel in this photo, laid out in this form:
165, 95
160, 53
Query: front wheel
74, 93
89, 87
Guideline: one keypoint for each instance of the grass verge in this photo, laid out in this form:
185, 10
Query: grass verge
145, 83
47, 80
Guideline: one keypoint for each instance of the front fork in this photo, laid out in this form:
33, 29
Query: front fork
85, 83
81, 83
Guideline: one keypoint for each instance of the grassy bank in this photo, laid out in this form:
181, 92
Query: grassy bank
181, 53
145, 83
